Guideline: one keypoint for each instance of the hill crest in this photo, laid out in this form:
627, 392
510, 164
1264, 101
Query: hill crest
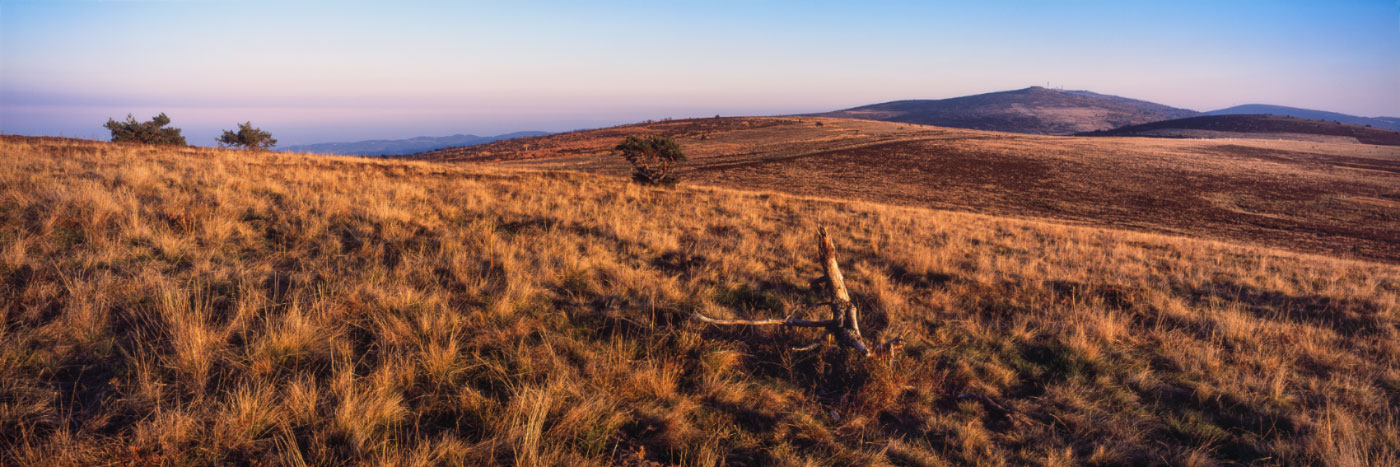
385, 147
1034, 110
1388, 123
1257, 126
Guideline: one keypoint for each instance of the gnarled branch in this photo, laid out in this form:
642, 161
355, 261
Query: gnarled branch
844, 324
801, 323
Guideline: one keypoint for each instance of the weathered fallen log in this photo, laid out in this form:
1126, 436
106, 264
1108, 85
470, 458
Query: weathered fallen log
844, 325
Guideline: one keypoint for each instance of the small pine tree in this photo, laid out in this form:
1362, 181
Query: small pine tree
247, 137
653, 158
150, 132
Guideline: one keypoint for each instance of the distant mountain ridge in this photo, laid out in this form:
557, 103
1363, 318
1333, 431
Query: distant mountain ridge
1257, 126
384, 147
1389, 123
1035, 110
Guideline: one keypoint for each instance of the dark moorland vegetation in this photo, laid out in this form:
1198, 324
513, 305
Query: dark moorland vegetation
1245, 125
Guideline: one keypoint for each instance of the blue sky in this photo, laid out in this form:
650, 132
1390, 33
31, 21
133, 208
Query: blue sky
334, 71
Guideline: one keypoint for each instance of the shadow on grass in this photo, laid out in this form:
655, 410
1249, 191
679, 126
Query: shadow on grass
1346, 316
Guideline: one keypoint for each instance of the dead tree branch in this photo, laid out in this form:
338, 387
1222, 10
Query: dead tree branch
801, 323
844, 325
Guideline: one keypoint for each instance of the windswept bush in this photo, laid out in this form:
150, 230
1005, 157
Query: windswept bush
247, 137
654, 158
149, 132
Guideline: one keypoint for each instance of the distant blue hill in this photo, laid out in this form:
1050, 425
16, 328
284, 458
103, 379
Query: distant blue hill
1387, 123
384, 147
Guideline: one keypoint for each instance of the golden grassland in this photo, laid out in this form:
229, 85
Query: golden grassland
1338, 199
193, 306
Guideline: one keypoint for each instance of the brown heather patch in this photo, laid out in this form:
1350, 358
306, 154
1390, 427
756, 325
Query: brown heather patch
195, 306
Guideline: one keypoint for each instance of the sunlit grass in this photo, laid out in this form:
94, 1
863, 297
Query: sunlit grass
206, 306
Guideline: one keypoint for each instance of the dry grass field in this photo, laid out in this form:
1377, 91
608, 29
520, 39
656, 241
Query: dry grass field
199, 306
1332, 198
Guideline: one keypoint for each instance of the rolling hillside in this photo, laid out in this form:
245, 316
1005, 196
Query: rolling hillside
1340, 199
201, 306
1258, 126
1387, 123
1033, 110
384, 147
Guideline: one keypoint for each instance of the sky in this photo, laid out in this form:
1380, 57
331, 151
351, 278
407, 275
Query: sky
311, 71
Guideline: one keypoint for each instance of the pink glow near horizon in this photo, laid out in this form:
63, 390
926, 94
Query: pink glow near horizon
318, 71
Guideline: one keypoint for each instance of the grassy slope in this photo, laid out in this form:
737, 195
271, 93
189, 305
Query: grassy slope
1338, 199
197, 305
